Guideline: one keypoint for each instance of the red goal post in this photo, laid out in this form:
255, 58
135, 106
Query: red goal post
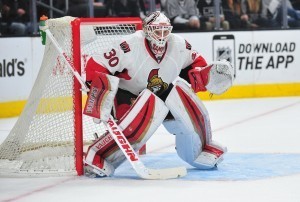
77, 56
51, 134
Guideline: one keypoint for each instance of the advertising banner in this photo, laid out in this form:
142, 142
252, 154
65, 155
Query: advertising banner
267, 63
260, 57
20, 61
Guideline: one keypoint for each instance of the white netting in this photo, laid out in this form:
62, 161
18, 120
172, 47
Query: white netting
42, 140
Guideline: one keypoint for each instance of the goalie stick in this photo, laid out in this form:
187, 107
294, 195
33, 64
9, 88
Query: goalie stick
65, 58
134, 160
117, 134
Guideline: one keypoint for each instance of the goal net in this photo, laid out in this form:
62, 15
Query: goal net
51, 134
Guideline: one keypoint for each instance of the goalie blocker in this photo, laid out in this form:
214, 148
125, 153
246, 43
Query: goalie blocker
101, 96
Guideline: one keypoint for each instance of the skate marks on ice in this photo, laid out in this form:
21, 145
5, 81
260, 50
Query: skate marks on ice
235, 167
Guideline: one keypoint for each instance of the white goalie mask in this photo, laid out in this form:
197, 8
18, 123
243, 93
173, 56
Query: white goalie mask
157, 28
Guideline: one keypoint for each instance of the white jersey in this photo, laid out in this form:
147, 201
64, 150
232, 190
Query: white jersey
133, 62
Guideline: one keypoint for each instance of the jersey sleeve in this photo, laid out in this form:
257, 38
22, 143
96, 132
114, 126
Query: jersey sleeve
110, 60
191, 58
92, 66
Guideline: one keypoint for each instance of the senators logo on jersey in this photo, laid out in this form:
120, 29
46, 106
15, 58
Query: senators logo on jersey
155, 83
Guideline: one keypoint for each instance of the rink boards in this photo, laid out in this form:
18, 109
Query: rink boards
267, 64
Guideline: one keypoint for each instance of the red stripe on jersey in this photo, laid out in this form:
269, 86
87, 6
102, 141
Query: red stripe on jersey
199, 62
92, 67
194, 114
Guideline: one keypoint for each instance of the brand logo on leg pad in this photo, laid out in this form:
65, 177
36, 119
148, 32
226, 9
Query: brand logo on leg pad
122, 141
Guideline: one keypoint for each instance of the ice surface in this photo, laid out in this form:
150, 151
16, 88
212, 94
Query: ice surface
262, 163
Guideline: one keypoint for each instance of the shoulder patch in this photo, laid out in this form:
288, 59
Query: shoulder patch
125, 47
187, 45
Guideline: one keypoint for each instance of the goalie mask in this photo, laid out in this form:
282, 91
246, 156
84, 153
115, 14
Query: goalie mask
157, 28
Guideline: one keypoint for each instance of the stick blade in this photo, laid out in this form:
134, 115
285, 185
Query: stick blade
166, 173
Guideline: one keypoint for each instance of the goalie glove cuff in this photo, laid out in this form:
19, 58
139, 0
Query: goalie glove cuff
199, 78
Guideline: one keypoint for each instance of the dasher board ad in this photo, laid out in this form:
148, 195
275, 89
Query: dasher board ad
260, 57
20, 61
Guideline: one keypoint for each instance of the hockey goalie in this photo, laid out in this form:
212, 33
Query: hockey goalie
147, 79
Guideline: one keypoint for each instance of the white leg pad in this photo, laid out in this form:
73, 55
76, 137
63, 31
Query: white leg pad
138, 125
193, 131
141, 121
